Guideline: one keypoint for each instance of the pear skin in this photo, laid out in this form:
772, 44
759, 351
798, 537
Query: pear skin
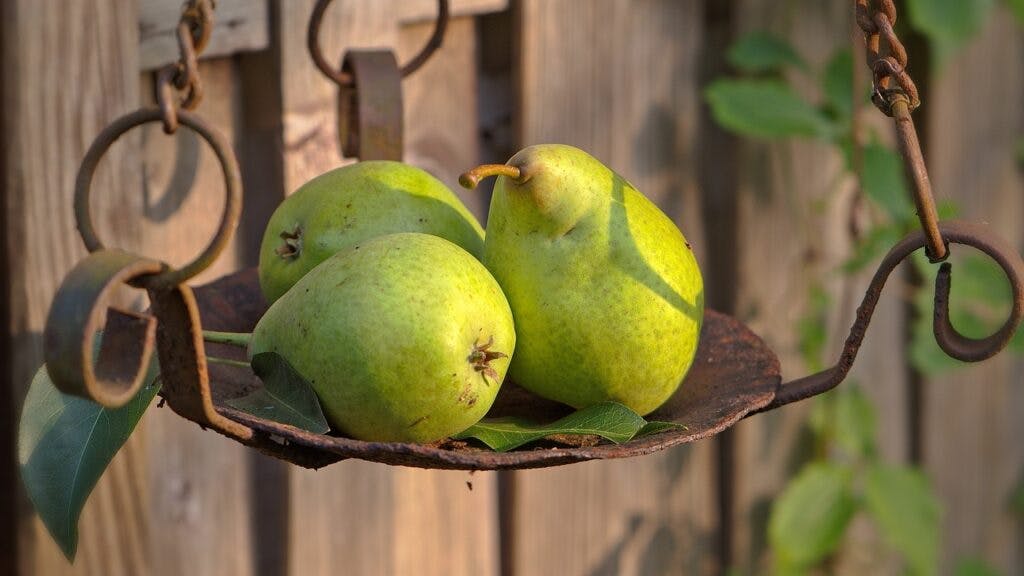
348, 205
404, 338
606, 293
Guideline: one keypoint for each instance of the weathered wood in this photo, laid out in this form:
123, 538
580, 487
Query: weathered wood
793, 213
631, 99
72, 69
366, 517
410, 11
240, 26
198, 482
972, 417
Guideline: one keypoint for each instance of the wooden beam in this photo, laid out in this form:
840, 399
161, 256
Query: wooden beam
240, 26
51, 114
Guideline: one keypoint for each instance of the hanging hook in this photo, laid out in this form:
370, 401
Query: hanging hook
951, 341
343, 77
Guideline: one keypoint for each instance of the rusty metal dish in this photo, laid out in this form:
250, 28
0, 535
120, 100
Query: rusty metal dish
733, 375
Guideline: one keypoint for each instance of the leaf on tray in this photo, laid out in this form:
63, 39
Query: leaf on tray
65, 443
609, 420
285, 397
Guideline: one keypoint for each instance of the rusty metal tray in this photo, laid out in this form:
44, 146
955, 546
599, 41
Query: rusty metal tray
734, 374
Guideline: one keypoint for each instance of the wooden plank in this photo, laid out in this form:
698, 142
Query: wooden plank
367, 517
198, 481
631, 99
410, 11
240, 26
792, 222
972, 418
51, 114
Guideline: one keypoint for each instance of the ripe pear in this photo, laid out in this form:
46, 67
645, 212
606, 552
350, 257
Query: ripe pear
345, 206
606, 293
404, 337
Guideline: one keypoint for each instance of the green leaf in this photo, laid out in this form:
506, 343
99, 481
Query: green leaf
64, 445
884, 182
1018, 9
763, 52
657, 427
285, 397
974, 567
907, 514
810, 516
948, 23
609, 420
855, 421
766, 109
837, 83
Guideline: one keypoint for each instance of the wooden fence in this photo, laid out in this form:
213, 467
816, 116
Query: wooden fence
622, 79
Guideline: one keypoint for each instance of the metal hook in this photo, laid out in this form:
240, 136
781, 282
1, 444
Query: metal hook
951, 341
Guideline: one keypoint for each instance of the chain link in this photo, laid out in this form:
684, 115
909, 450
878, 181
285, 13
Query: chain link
193, 34
877, 23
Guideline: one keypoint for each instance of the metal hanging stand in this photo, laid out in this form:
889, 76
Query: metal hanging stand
733, 376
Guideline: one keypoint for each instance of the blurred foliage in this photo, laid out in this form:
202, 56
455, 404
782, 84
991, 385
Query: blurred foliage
810, 516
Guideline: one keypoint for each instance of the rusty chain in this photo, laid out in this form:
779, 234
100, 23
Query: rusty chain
193, 34
344, 78
876, 24
876, 18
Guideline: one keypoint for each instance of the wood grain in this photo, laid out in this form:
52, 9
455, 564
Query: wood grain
973, 423
75, 70
198, 482
629, 98
239, 26
369, 518
793, 211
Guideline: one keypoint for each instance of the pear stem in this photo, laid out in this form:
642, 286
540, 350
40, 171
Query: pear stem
471, 178
240, 339
227, 362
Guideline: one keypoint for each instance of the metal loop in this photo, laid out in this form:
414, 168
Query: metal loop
76, 317
949, 339
232, 181
343, 78
954, 344
165, 98
187, 72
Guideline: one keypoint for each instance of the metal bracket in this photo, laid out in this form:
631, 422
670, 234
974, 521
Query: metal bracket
370, 110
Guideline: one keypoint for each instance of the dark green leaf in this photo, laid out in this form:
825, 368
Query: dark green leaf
837, 83
948, 23
855, 421
763, 52
285, 397
609, 420
907, 514
810, 516
1018, 9
974, 567
64, 445
765, 108
657, 427
884, 181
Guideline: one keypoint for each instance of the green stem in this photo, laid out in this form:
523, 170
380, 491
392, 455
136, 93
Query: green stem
227, 361
240, 339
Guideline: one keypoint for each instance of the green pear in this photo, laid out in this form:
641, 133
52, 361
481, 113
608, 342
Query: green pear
606, 293
345, 206
404, 337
